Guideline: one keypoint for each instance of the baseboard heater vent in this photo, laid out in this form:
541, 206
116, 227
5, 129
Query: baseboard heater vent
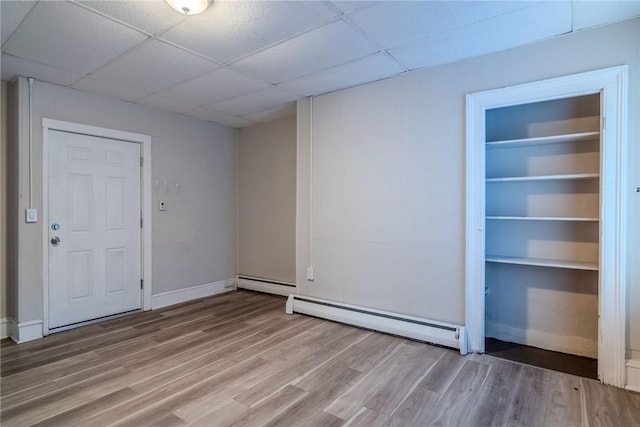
431, 331
265, 285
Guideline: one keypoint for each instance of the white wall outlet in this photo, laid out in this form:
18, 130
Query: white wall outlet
310, 273
31, 215
162, 206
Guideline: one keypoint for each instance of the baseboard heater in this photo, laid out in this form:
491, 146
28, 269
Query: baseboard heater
431, 331
265, 285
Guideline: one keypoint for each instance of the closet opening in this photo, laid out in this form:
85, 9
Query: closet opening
542, 222
546, 232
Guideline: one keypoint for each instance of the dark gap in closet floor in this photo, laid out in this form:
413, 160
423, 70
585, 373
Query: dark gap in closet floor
567, 363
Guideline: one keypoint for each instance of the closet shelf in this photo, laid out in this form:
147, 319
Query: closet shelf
554, 139
575, 265
543, 218
573, 176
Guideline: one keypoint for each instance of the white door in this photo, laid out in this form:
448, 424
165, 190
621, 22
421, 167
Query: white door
94, 227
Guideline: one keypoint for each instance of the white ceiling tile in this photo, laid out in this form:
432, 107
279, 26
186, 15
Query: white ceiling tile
163, 103
12, 66
321, 48
213, 87
153, 66
66, 36
120, 91
255, 101
231, 29
218, 117
151, 16
416, 19
271, 114
368, 69
353, 5
524, 26
592, 13
11, 15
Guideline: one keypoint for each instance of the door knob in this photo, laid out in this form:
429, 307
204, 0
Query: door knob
55, 240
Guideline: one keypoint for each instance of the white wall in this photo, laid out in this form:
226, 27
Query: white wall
388, 170
267, 200
193, 241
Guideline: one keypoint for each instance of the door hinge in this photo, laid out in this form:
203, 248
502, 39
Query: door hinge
141, 284
604, 123
141, 161
141, 222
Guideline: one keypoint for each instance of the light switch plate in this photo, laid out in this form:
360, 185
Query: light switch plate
31, 215
162, 206
310, 273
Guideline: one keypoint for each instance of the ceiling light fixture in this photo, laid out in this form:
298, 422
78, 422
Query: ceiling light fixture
189, 7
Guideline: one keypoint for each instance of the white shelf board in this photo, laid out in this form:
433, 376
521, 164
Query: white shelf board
575, 265
543, 140
573, 176
543, 218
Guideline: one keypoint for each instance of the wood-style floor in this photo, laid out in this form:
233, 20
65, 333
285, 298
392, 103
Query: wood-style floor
238, 359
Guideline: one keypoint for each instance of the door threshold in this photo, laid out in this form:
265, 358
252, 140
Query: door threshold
93, 321
553, 360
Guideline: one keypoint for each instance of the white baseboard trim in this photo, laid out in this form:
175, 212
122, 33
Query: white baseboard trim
633, 375
26, 331
269, 288
562, 343
393, 323
6, 325
187, 294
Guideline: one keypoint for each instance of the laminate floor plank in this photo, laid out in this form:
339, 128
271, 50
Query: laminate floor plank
270, 407
407, 363
238, 360
231, 411
208, 402
45, 406
416, 409
192, 394
28, 393
40, 375
456, 402
562, 399
608, 406
366, 417
307, 408
496, 396
404, 379
44, 357
272, 338
291, 371
439, 378
324, 419
11, 350
76, 416
528, 399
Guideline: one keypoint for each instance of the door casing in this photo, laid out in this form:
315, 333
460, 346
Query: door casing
612, 85
146, 191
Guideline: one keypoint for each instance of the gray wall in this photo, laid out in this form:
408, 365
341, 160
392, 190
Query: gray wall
193, 241
267, 200
388, 197
3, 202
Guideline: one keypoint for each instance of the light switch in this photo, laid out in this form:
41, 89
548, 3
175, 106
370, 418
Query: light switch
162, 206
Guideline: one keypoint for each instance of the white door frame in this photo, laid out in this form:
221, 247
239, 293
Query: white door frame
145, 205
611, 83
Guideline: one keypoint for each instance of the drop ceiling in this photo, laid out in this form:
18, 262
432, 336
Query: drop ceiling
243, 62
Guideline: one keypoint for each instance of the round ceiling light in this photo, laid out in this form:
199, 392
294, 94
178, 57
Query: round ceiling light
189, 7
